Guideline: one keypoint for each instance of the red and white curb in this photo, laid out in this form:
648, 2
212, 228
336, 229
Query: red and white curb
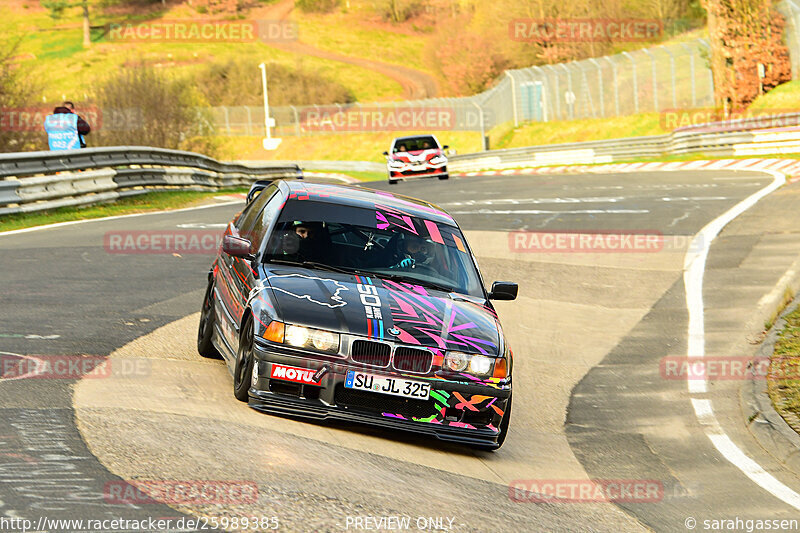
790, 167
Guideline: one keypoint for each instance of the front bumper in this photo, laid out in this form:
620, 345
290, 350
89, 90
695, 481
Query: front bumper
466, 413
428, 172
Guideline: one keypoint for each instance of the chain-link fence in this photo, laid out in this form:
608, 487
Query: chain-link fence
654, 79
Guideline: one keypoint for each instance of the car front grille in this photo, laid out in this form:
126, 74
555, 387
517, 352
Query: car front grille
371, 353
382, 403
412, 360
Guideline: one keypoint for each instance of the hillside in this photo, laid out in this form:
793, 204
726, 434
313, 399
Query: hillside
376, 53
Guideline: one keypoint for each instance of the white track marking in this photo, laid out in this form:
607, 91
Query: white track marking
40, 367
116, 217
577, 200
546, 212
694, 270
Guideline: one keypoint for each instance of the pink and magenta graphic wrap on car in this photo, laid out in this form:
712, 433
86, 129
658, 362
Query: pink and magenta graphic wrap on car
423, 319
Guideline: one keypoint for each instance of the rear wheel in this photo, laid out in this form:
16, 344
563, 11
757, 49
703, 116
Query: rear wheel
244, 363
205, 330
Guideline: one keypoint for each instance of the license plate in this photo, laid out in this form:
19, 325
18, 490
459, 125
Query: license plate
418, 167
406, 388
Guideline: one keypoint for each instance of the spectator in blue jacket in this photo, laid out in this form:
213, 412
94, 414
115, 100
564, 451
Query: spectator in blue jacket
65, 129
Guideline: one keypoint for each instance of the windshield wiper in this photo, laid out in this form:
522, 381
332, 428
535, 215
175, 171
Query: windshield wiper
310, 264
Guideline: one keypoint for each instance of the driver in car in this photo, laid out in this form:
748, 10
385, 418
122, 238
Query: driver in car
414, 251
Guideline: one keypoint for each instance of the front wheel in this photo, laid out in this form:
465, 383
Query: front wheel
244, 363
392, 181
504, 424
501, 438
444, 177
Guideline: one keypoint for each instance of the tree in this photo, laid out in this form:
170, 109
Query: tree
57, 8
744, 34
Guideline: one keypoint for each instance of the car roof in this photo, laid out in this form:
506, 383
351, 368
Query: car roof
366, 198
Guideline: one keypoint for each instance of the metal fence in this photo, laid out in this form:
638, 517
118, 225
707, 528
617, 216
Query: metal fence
654, 79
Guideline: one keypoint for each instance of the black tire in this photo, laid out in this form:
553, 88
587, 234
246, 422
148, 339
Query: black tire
501, 438
244, 363
444, 177
504, 425
205, 329
392, 182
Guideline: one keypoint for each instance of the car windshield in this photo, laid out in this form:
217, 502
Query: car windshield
381, 241
415, 144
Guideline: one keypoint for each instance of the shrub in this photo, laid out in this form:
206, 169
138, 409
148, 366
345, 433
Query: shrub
143, 106
238, 82
18, 94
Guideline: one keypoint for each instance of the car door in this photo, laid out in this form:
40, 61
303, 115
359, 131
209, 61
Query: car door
235, 277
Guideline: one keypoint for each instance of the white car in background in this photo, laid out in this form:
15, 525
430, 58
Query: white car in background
417, 156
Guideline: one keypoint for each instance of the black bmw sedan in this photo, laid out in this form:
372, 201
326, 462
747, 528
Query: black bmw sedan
335, 302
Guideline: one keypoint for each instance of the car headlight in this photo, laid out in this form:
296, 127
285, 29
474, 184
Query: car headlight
435, 160
480, 365
396, 164
456, 361
303, 337
296, 335
325, 341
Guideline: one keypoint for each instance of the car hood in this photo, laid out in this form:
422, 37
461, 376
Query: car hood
384, 309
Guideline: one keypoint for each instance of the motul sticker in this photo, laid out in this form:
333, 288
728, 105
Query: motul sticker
291, 373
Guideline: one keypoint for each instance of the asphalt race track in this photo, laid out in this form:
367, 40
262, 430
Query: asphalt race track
588, 331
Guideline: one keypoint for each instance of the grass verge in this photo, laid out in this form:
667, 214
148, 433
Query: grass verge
783, 383
153, 201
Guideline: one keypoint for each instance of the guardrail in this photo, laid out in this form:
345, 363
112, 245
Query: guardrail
737, 143
35, 181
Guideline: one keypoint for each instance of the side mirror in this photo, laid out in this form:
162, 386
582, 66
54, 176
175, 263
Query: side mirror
445, 147
386, 154
504, 290
236, 246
